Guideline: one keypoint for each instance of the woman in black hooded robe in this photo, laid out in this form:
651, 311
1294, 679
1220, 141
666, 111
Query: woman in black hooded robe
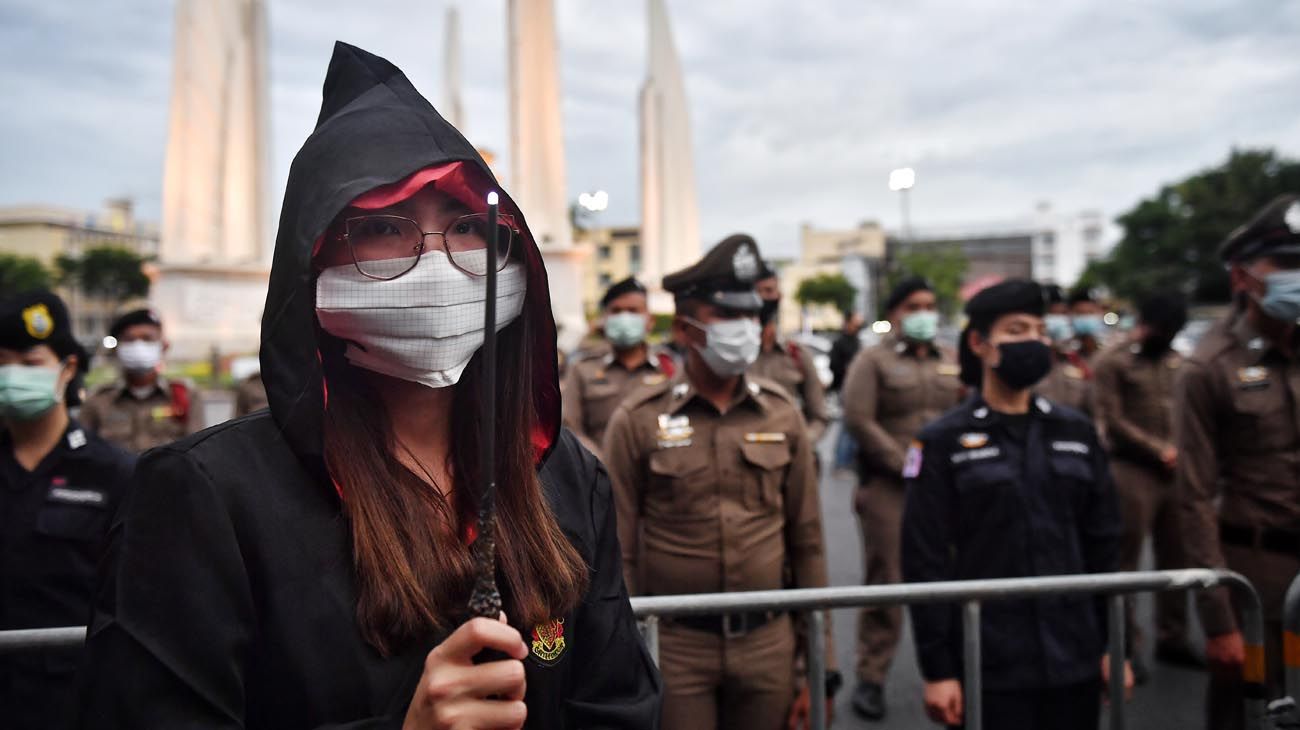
308, 566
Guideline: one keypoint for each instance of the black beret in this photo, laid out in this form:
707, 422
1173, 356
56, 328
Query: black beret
1165, 311
37, 317
143, 315
1053, 294
725, 276
627, 286
1083, 294
1273, 230
1012, 295
904, 289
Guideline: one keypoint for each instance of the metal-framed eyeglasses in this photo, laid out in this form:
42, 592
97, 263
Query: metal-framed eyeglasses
385, 247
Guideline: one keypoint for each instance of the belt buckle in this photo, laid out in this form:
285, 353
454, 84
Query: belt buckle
728, 626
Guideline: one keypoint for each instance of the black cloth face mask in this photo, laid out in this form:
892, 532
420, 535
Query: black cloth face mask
1023, 363
768, 312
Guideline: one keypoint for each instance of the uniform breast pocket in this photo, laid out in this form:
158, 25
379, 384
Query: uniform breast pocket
1073, 478
980, 484
767, 464
1261, 422
678, 480
81, 522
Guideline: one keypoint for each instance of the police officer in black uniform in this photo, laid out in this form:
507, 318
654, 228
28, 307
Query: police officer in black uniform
1007, 485
59, 486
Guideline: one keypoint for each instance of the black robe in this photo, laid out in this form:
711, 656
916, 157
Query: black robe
228, 599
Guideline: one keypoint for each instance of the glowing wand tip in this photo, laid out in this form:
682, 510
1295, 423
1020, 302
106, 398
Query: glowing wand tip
493, 198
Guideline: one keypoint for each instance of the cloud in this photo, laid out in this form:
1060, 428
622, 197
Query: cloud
799, 110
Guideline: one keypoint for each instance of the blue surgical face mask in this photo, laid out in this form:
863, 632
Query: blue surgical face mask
920, 326
1058, 327
27, 392
625, 329
1282, 299
1088, 325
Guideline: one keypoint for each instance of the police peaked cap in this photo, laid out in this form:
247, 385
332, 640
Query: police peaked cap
724, 277
1274, 230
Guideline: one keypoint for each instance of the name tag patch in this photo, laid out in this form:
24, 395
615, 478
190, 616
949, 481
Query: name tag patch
67, 495
973, 440
948, 369
765, 438
991, 452
1071, 447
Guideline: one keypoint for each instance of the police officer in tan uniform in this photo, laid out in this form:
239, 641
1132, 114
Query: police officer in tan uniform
593, 387
890, 392
1070, 381
143, 409
715, 491
786, 363
1238, 446
1134, 403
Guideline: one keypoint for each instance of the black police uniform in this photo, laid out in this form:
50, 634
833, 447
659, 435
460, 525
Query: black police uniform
996, 495
53, 520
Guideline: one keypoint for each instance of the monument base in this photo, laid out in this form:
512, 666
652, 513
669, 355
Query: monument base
203, 307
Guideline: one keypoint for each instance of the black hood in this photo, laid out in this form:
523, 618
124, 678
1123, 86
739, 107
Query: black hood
374, 129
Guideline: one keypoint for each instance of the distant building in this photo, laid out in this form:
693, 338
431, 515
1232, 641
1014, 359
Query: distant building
612, 254
45, 232
858, 254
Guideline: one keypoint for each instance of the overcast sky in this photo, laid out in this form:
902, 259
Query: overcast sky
799, 109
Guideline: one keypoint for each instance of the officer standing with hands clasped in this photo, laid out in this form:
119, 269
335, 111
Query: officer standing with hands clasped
594, 387
1010, 485
890, 392
59, 487
143, 409
716, 491
1134, 404
1238, 448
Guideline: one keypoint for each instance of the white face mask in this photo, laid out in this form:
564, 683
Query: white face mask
732, 345
140, 356
424, 326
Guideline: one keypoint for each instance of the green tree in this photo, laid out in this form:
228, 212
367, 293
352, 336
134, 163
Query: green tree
943, 266
112, 273
22, 273
831, 289
1171, 239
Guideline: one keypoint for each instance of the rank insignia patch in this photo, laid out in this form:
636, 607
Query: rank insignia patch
912, 462
548, 641
973, 440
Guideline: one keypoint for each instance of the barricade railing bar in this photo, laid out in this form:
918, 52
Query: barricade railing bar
971, 594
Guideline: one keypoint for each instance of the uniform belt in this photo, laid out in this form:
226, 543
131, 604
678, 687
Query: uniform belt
1268, 538
730, 625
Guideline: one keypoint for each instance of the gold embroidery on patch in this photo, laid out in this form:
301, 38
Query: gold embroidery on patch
38, 321
973, 440
548, 640
764, 438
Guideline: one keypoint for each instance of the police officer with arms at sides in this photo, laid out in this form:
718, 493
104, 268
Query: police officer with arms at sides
594, 387
1069, 382
890, 392
1134, 404
143, 409
1238, 445
1010, 485
715, 489
786, 363
1086, 320
59, 486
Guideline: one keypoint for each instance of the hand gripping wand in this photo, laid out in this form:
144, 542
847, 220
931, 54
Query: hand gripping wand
486, 600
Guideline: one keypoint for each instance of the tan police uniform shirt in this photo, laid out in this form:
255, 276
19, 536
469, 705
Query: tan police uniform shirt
1133, 402
593, 388
137, 424
1238, 436
792, 368
711, 501
1068, 385
890, 393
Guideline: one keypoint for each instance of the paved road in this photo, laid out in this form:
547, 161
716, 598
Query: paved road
1172, 700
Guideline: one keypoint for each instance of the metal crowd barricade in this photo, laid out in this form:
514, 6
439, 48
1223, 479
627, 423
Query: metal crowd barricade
971, 594
1286, 711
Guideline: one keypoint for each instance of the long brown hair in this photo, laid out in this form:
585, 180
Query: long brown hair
414, 570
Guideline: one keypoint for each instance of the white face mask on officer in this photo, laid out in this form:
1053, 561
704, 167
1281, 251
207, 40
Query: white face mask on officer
140, 356
424, 326
731, 345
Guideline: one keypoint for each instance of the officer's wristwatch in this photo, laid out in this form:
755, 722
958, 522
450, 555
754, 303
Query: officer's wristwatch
834, 680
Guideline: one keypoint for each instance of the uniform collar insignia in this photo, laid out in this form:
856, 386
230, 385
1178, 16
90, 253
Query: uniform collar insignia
981, 413
680, 390
1043, 405
76, 439
753, 388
